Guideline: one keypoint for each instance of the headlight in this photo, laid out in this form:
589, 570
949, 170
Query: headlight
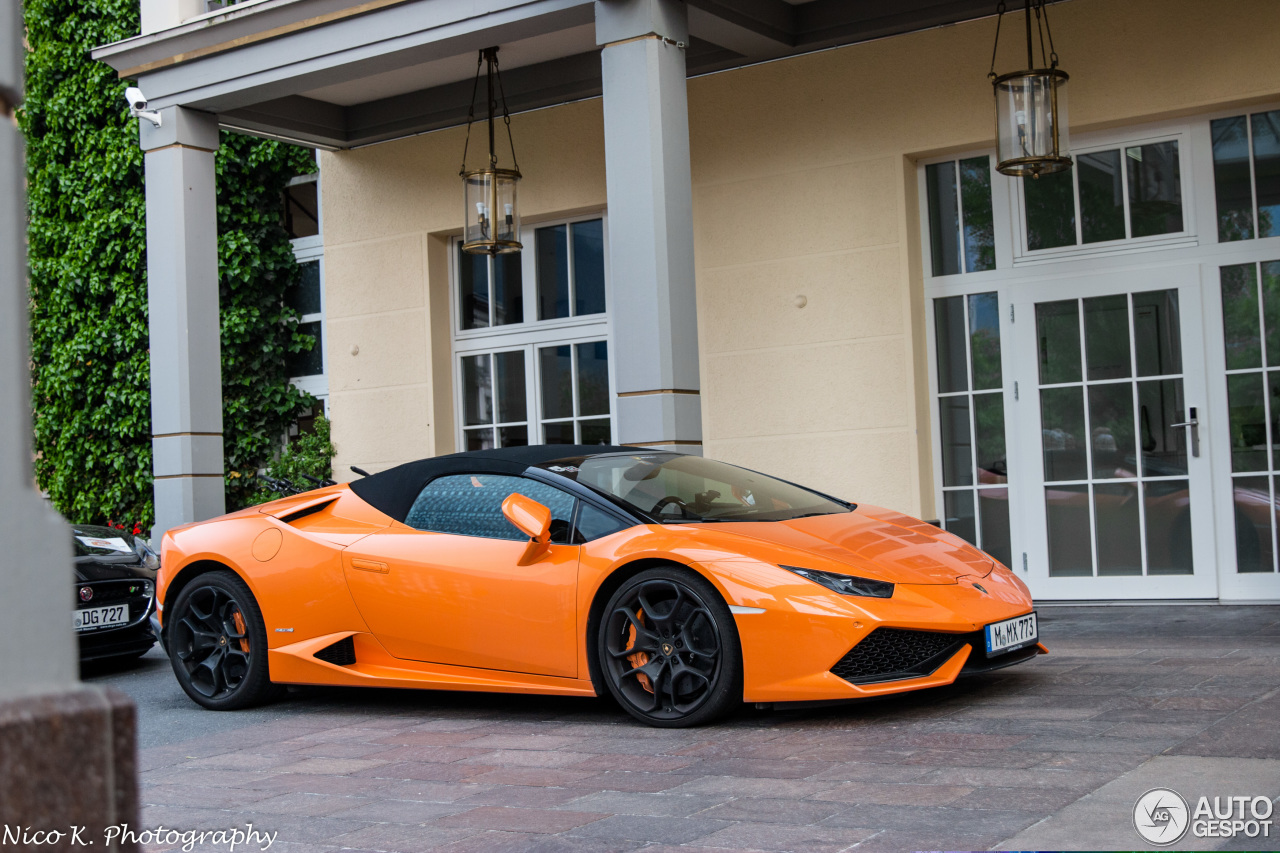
149, 558
845, 584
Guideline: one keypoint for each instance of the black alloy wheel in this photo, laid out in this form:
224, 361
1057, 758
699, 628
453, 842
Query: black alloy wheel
669, 649
218, 643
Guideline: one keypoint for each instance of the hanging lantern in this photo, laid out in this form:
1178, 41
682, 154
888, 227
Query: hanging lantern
491, 217
1031, 105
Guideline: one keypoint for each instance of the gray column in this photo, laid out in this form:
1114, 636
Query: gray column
182, 287
651, 273
35, 570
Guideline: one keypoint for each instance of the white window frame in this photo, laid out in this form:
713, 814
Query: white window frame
531, 334
305, 250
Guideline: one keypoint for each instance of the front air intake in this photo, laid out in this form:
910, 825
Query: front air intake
893, 654
341, 653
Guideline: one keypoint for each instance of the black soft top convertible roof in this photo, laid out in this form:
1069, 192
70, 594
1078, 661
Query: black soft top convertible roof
393, 491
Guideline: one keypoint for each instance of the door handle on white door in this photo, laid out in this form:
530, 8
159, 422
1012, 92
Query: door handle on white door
1194, 424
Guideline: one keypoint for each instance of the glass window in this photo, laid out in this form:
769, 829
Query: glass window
302, 207
1115, 194
1246, 175
962, 237
307, 298
310, 362
570, 265
490, 290
471, 505
594, 523
679, 488
494, 407
575, 393
971, 430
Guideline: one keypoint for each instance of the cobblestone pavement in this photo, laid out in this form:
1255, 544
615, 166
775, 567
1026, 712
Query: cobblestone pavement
1047, 752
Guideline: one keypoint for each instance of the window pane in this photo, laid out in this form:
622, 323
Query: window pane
596, 431
473, 290
1157, 332
561, 433
1266, 171
552, 247
979, 233
1067, 522
1115, 512
1111, 430
988, 420
594, 523
480, 439
1231, 182
1253, 519
588, 267
511, 387
993, 507
1155, 189
508, 290
1101, 196
944, 217
1164, 447
309, 363
301, 210
1240, 316
957, 453
1058, 334
1168, 508
1106, 337
1273, 385
477, 391
593, 378
953, 372
471, 505
984, 340
1051, 210
557, 381
1248, 422
1271, 309
1062, 428
513, 436
305, 296
959, 511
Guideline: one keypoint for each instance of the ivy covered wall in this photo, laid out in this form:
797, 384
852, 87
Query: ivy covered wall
90, 368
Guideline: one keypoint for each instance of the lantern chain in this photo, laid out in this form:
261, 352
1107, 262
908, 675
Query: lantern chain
991, 75
1053, 54
506, 118
471, 114
1039, 7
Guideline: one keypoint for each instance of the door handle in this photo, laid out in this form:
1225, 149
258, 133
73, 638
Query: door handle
1192, 423
370, 566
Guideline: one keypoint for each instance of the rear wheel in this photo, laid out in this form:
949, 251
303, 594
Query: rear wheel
669, 649
218, 643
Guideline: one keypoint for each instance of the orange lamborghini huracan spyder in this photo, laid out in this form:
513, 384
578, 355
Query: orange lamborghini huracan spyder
679, 585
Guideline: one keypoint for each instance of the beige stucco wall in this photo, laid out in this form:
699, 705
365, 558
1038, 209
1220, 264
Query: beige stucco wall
803, 185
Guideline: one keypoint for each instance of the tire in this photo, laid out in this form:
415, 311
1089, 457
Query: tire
220, 661
669, 650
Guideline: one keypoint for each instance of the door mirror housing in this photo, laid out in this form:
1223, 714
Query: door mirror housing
532, 519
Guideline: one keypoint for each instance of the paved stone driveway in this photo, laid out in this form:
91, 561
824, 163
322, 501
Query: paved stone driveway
1048, 755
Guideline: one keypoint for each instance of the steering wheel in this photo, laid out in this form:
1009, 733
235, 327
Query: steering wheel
668, 501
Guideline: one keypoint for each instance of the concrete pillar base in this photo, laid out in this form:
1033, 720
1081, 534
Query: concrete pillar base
68, 760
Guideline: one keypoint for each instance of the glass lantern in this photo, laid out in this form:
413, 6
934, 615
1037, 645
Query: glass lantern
490, 212
1031, 122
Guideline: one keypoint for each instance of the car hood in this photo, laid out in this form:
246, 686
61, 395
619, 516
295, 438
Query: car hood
88, 569
875, 542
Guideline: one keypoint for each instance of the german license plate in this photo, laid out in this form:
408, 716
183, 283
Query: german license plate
1011, 634
93, 618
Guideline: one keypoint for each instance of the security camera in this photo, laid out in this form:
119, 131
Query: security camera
138, 106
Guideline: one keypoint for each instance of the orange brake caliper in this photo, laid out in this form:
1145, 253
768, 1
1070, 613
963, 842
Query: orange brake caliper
238, 619
639, 659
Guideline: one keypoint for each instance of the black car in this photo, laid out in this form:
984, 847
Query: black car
115, 593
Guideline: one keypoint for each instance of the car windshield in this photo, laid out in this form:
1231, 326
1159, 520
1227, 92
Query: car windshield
678, 488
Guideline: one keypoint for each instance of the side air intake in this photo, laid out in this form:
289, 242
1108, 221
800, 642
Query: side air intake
341, 653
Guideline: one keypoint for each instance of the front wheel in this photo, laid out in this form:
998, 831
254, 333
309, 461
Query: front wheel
218, 643
669, 649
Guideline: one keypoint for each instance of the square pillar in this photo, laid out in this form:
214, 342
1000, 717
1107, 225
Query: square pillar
647, 176
182, 293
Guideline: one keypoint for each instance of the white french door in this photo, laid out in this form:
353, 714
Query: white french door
1109, 425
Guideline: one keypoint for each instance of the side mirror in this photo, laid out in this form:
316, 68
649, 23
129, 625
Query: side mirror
532, 519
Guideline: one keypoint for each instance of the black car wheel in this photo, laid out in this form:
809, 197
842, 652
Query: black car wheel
218, 643
669, 649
